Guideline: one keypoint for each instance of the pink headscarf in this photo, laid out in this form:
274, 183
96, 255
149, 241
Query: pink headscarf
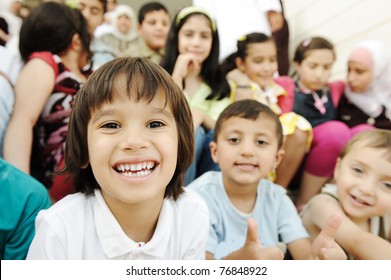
377, 57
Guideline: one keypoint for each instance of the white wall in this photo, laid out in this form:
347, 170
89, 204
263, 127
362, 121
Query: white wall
344, 22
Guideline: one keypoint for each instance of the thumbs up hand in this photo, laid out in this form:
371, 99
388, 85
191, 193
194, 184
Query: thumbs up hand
252, 248
324, 246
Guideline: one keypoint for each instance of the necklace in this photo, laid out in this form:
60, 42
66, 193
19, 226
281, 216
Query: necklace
319, 101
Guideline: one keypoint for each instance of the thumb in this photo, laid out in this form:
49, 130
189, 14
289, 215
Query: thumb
252, 231
333, 223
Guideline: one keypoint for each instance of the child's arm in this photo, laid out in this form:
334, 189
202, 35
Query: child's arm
32, 89
240, 85
354, 240
252, 249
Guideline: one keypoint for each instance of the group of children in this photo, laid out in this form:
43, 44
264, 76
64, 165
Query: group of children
133, 128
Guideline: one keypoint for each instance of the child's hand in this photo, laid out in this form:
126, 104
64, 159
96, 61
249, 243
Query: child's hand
239, 77
253, 250
324, 246
185, 64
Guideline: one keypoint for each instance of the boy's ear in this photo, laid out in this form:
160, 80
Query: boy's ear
239, 63
214, 152
76, 42
85, 165
336, 168
279, 156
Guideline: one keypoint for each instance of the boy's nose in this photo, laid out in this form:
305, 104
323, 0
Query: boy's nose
133, 140
247, 148
367, 187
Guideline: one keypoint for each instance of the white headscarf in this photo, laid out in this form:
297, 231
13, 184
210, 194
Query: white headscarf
378, 94
128, 11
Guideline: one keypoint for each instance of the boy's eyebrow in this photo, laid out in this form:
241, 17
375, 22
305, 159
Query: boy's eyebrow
162, 110
108, 112
102, 114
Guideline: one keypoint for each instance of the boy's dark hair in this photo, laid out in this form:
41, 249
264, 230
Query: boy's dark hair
150, 7
210, 71
374, 138
144, 79
104, 3
50, 27
310, 44
248, 109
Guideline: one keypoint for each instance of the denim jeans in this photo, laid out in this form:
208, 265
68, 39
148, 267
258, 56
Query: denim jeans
202, 161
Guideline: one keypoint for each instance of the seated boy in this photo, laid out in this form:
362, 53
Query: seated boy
154, 25
361, 194
248, 140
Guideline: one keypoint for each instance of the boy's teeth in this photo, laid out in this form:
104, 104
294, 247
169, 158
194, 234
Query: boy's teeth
145, 166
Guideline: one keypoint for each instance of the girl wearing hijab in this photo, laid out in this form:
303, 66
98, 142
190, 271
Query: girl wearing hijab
367, 96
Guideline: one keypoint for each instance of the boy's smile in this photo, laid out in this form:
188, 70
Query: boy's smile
364, 183
246, 150
132, 147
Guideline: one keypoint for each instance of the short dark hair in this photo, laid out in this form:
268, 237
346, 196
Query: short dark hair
104, 3
144, 79
50, 27
249, 109
150, 7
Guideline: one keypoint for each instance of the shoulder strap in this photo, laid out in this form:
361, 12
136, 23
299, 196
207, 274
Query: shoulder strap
49, 58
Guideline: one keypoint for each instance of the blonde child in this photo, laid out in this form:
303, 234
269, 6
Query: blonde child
367, 97
316, 99
250, 71
248, 142
191, 57
130, 142
361, 194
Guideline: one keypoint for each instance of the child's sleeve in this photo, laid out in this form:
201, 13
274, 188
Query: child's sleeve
46, 245
290, 226
200, 230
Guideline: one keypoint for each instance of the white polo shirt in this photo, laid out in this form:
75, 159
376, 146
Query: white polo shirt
79, 227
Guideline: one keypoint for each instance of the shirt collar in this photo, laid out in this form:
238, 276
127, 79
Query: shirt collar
116, 243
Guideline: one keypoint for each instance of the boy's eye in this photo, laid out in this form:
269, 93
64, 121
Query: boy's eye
357, 170
387, 185
155, 124
110, 125
262, 142
233, 140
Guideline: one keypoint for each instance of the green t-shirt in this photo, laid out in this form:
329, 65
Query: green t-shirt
21, 198
212, 108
